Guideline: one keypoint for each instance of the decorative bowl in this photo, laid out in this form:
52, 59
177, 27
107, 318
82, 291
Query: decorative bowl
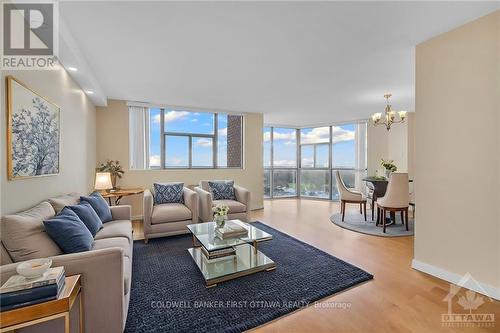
34, 268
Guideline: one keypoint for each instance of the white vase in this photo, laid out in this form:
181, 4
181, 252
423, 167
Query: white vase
387, 173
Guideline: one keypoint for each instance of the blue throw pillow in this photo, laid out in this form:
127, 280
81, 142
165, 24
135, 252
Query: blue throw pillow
69, 232
222, 190
169, 193
100, 206
88, 216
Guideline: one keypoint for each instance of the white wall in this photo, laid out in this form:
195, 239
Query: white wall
458, 153
78, 143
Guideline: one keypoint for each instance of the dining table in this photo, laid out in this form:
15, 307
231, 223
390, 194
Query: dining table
379, 188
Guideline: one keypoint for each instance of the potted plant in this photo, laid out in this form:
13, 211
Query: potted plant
114, 168
389, 167
220, 215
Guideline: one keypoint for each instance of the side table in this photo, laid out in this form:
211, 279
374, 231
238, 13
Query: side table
38, 313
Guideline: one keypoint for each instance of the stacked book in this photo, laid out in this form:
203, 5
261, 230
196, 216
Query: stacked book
219, 255
19, 291
230, 230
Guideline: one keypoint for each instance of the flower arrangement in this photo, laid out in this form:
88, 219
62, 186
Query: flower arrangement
114, 168
220, 214
388, 165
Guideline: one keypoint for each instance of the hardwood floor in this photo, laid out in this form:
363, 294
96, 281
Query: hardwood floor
398, 299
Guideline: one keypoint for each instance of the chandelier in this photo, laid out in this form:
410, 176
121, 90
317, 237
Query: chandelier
389, 116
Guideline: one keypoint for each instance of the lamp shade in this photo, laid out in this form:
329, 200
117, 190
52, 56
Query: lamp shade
103, 181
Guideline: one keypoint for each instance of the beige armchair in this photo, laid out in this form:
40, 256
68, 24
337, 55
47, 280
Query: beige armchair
348, 196
238, 209
396, 199
170, 218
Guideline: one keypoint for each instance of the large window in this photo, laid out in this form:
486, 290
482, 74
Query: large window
280, 162
302, 162
168, 138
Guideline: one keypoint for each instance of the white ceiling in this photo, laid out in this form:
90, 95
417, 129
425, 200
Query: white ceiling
299, 63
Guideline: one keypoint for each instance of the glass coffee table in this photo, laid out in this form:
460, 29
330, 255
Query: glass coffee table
245, 258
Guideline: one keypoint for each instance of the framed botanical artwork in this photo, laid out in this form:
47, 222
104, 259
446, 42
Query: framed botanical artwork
33, 133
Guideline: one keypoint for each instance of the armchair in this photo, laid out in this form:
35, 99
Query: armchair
238, 209
170, 218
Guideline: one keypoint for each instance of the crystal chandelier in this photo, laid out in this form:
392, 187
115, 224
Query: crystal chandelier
389, 116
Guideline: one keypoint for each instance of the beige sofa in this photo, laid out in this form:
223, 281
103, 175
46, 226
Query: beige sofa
238, 209
171, 218
106, 270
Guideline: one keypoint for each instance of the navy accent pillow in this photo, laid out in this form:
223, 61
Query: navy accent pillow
222, 190
100, 206
88, 216
69, 232
169, 193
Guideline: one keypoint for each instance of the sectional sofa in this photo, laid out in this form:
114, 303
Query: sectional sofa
106, 270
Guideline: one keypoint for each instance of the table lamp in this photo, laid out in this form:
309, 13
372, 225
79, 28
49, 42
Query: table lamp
103, 181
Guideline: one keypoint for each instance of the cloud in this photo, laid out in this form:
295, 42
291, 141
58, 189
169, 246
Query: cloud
171, 116
315, 135
174, 161
154, 160
341, 135
280, 136
205, 143
194, 120
284, 163
222, 131
307, 162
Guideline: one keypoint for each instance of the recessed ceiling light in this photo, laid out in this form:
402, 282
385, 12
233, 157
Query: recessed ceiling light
89, 92
73, 69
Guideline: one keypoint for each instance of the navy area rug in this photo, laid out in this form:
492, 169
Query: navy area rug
169, 295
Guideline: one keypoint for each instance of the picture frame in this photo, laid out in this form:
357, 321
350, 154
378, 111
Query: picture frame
33, 132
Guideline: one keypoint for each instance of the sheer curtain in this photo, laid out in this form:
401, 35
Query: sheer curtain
360, 168
138, 136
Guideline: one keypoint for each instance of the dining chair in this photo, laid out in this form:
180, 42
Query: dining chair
348, 196
396, 199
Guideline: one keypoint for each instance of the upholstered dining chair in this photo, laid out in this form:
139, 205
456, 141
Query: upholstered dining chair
348, 196
396, 199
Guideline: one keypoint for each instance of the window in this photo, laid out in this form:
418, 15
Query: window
267, 147
267, 183
284, 147
344, 147
185, 139
284, 183
321, 151
315, 183
176, 151
154, 138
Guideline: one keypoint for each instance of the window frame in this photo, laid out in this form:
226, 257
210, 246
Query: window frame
191, 136
330, 169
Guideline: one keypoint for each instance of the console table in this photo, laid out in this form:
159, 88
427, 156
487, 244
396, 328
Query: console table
117, 195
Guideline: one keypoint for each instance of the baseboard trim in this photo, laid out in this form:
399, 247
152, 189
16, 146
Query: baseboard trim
463, 281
